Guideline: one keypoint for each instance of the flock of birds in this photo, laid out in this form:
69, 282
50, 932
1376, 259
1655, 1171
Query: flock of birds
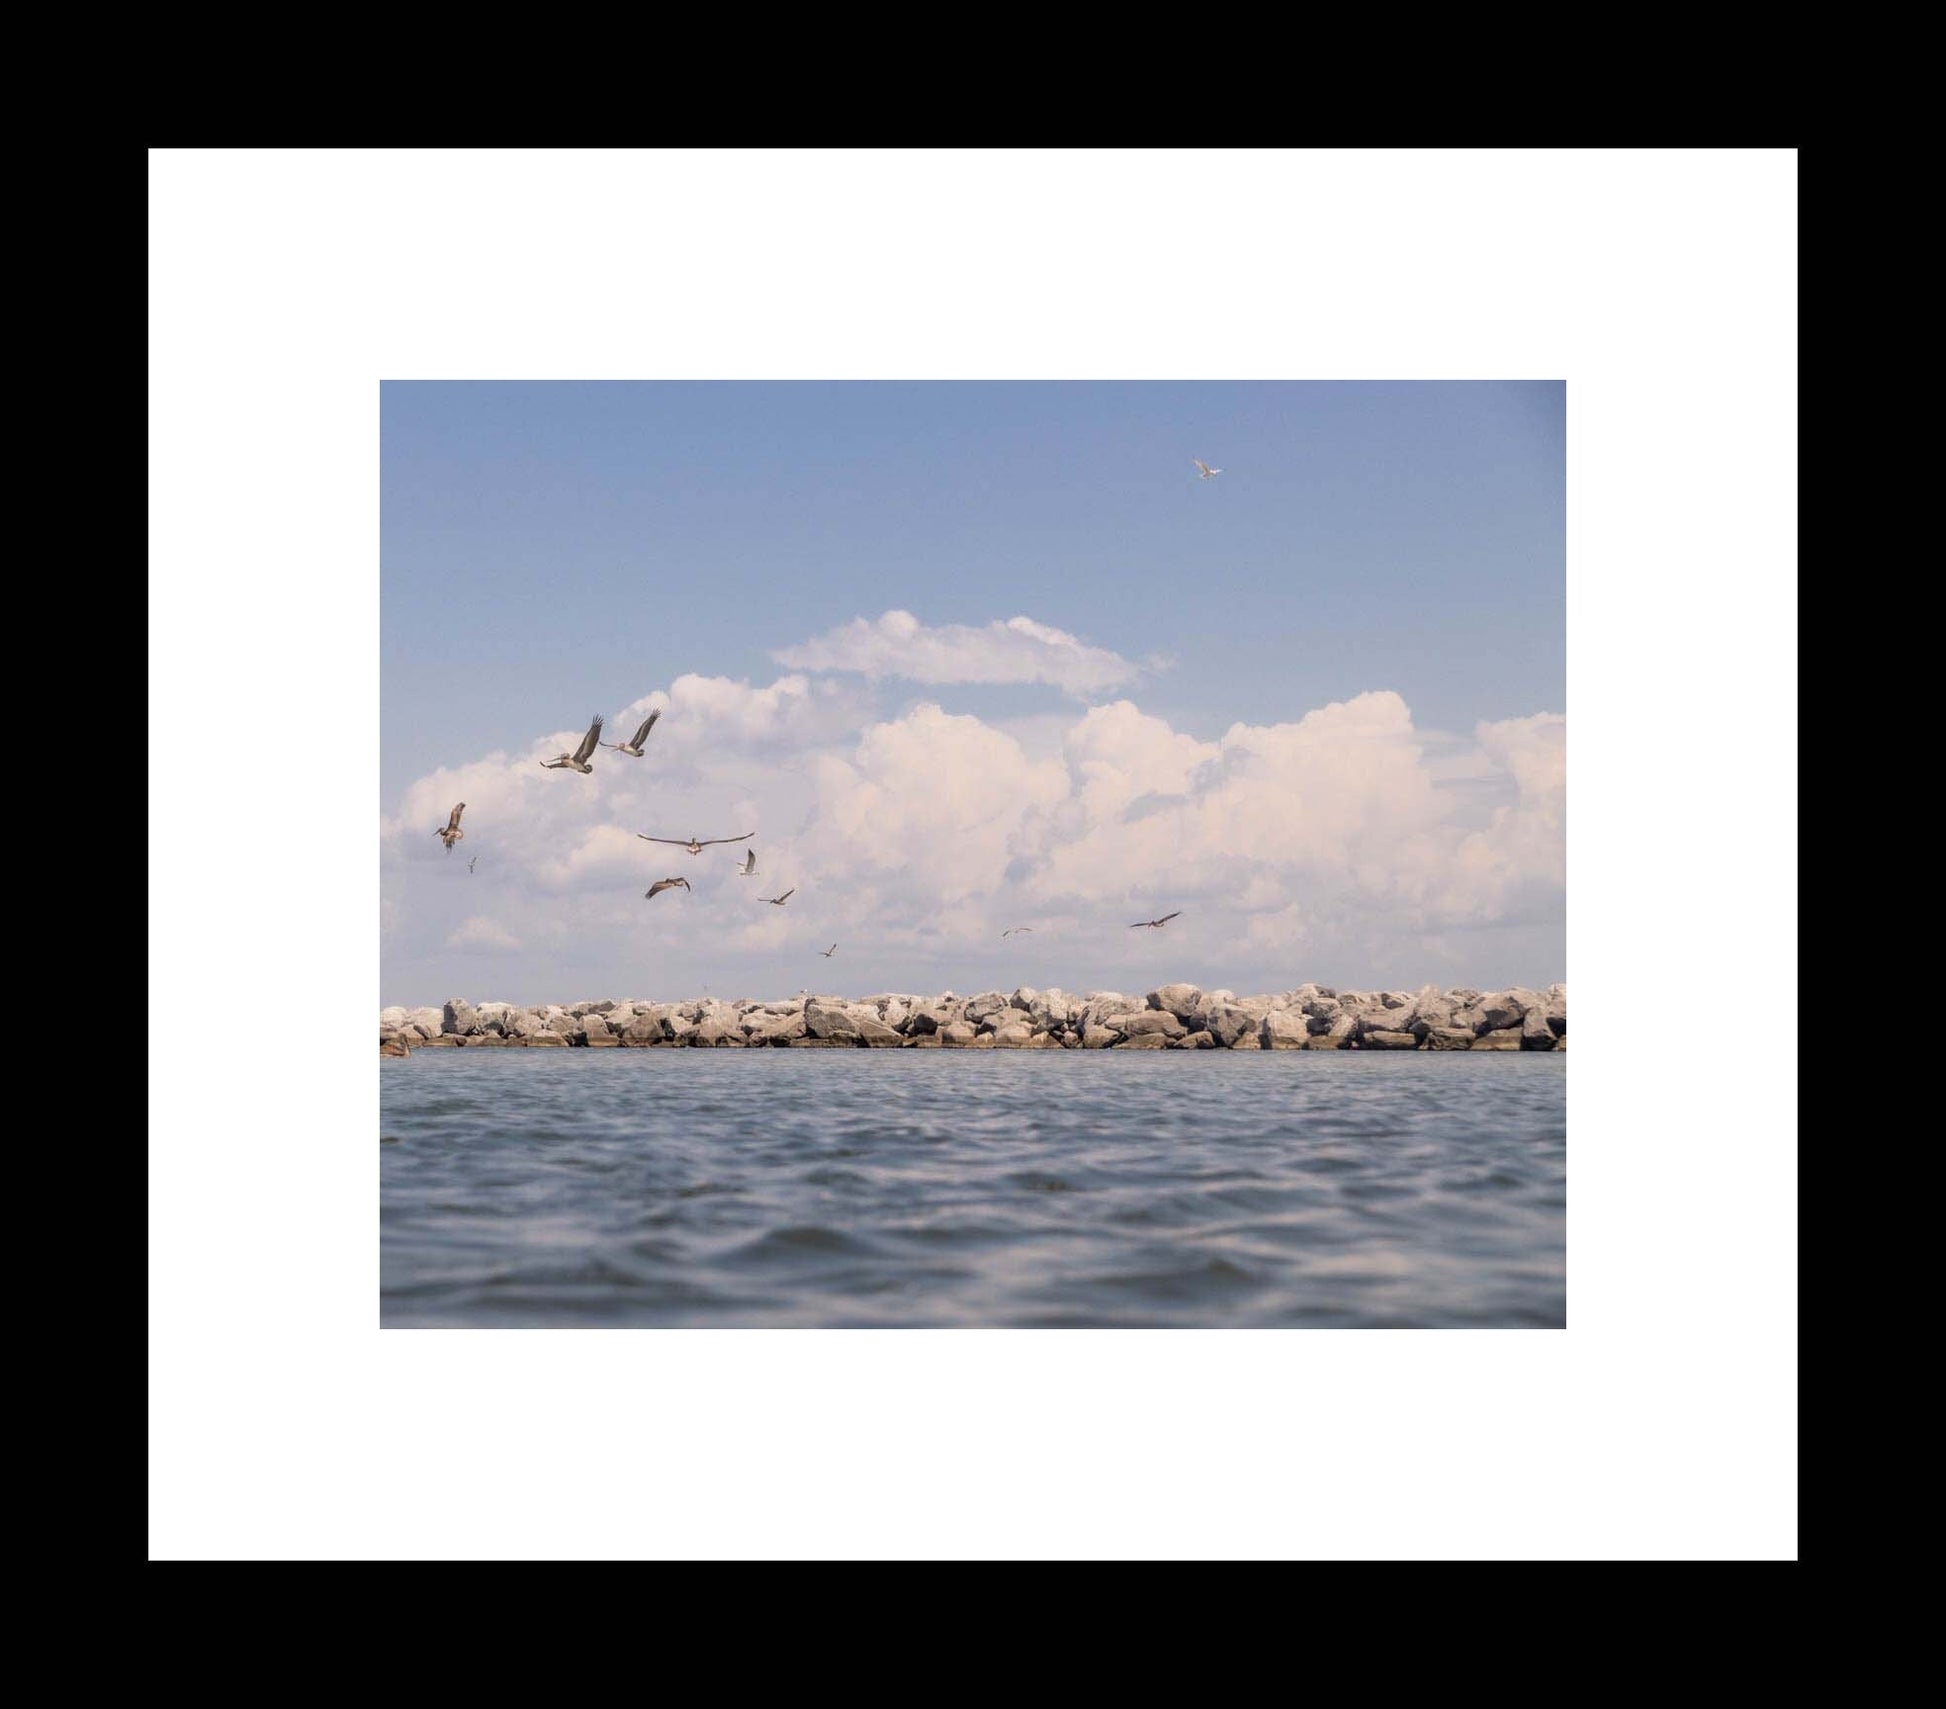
582, 760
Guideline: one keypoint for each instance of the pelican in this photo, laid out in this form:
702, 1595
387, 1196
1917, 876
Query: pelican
578, 760
634, 745
1166, 918
1011, 930
749, 864
475, 861
779, 901
452, 832
695, 845
662, 884
1208, 474
833, 950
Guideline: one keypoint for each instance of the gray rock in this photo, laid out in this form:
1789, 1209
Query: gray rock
875, 1032
1227, 1022
1283, 1029
1013, 1035
459, 1016
1383, 1040
392, 1020
1097, 1038
985, 1004
823, 1019
1501, 1038
1146, 1041
1449, 1038
1535, 1033
956, 1034
547, 1040
1156, 1021
1185, 1002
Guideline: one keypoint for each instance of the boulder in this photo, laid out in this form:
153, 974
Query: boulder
826, 1019
1158, 1021
1382, 1039
1501, 1038
1097, 1038
596, 1025
459, 1016
1249, 1041
1535, 1033
957, 1034
1557, 1010
1227, 1022
444, 1041
1502, 1009
922, 1041
1449, 1038
1146, 1041
985, 1004
1024, 998
1013, 1035
644, 1028
717, 1028
1430, 1012
603, 1040
1042, 1041
392, 1020
1183, 1001
1283, 1029
875, 1032
547, 1040
763, 1027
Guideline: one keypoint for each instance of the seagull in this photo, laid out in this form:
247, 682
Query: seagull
475, 861
1011, 930
662, 884
642, 735
1166, 918
749, 864
779, 901
452, 832
828, 952
578, 760
1204, 469
695, 845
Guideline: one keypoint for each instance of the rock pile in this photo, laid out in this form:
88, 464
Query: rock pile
1171, 1017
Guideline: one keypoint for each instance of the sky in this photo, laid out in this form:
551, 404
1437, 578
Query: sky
968, 657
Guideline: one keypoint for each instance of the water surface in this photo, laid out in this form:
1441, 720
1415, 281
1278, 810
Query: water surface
828, 1188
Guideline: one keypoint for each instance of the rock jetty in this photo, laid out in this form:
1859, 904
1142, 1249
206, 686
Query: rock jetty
1171, 1017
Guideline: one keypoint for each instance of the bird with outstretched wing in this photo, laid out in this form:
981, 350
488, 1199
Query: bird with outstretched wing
695, 845
662, 884
634, 744
578, 760
1166, 918
451, 832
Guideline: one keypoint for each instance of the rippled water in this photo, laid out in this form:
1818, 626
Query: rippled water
958, 1188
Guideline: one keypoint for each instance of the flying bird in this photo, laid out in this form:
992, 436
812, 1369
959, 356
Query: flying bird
1166, 918
475, 861
749, 865
578, 760
695, 845
1011, 930
662, 884
452, 833
1204, 469
779, 901
827, 952
634, 744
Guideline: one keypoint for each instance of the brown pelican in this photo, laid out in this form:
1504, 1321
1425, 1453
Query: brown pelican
749, 865
827, 952
1166, 918
634, 744
779, 901
662, 884
452, 832
394, 1047
1208, 474
578, 760
1011, 930
695, 845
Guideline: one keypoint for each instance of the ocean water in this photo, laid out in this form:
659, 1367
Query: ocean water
855, 1188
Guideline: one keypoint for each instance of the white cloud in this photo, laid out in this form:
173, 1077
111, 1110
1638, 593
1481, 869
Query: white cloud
1016, 651
480, 933
1331, 846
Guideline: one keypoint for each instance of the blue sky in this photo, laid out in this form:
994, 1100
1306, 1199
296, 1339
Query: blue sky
550, 550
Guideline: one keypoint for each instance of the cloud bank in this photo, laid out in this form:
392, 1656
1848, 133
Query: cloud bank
1345, 844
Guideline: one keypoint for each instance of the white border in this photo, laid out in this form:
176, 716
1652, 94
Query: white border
1662, 1423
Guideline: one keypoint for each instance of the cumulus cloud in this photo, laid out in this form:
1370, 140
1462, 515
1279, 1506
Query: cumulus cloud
1328, 846
1016, 651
